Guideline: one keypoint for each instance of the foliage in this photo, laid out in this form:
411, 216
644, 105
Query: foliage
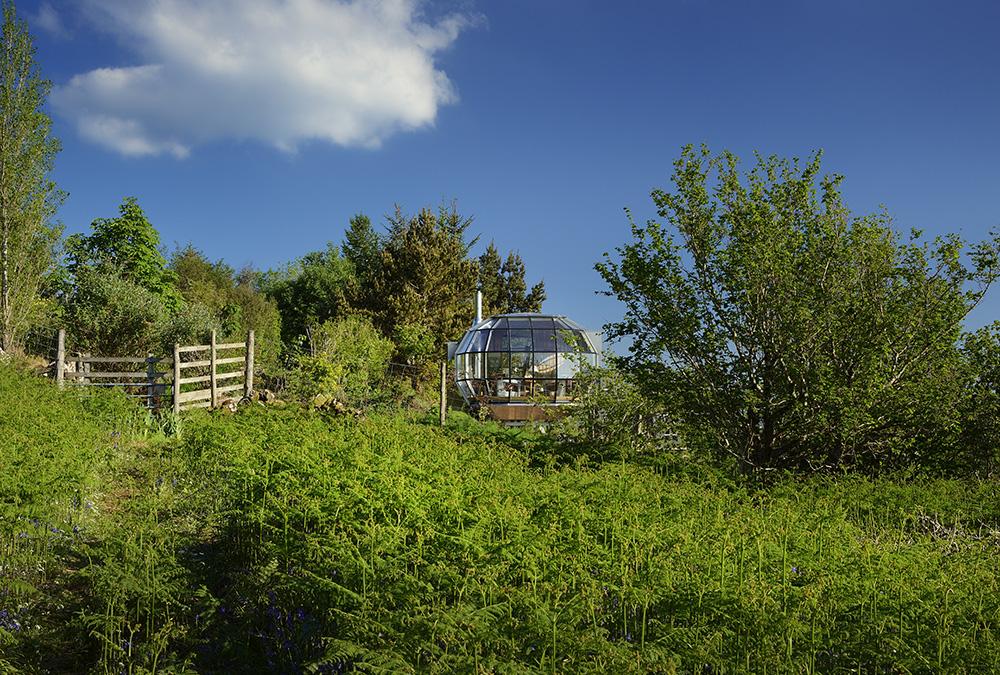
109, 314
128, 246
786, 332
52, 447
279, 540
379, 545
426, 276
28, 196
193, 324
362, 247
347, 361
613, 418
504, 288
314, 289
233, 304
415, 343
977, 449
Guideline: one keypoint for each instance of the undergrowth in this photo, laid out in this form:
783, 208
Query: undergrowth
280, 540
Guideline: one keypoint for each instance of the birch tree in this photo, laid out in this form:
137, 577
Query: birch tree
28, 197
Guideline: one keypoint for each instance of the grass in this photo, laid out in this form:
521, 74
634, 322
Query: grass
289, 541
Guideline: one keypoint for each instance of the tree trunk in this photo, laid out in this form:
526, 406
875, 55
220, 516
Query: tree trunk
7, 329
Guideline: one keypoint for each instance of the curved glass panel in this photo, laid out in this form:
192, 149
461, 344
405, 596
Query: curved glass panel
544, 340
545, 364
521, 358
520, 340
499, 340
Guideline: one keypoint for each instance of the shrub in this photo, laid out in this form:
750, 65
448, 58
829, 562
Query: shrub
109, 314
347, 360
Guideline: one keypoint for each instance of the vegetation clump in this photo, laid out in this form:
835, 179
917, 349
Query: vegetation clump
284, 540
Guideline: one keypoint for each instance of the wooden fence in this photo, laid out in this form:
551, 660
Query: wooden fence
181, 379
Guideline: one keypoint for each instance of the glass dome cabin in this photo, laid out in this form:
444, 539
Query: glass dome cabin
518, 365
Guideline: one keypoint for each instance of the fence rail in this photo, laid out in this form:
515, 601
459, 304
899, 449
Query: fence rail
162, 379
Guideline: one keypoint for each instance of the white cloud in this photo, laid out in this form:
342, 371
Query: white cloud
49, 20
350, 72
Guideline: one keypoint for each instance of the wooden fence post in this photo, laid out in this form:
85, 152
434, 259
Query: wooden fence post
211, 376
248, 376
443, 410
176, 384
61, 357
150, 379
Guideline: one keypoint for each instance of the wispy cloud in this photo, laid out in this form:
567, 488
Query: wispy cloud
350, 72
49, 20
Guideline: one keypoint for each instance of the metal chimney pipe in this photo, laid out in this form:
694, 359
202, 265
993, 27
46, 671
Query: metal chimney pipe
479, 307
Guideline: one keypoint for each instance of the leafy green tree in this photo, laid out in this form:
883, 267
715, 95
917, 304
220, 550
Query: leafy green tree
28, 197
977, 448
785, 331
427, 278
202, 281
128, 245
107, 313
503, 285
231, 299
316, 288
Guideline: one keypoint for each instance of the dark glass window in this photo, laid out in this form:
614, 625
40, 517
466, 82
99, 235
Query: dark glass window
497, 366
520, 365
522, 359
545, 340
520, 340
569, 364
565, 390
499, 340
564, 339
520, 390
478, 342
498, 389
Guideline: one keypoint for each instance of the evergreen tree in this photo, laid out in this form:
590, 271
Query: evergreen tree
362, 248
503, 284
427, 279
491, 282
28, 198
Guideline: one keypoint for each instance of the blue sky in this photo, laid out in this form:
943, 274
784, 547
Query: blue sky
255, 128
